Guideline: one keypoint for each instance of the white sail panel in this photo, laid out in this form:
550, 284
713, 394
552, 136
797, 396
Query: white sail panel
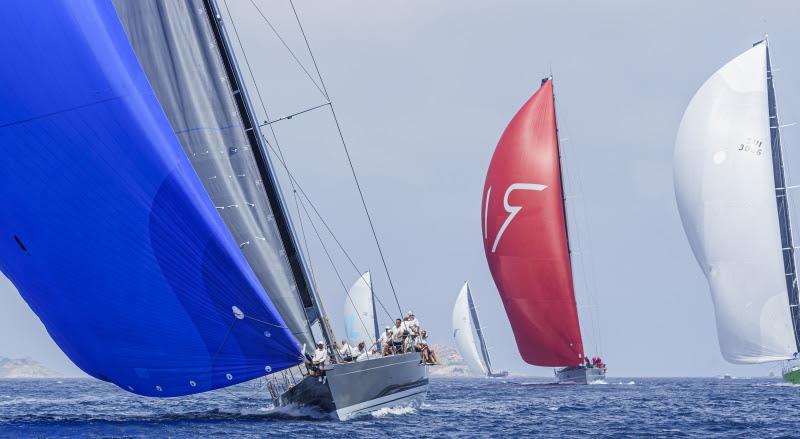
725, 190
463, 332
358, 312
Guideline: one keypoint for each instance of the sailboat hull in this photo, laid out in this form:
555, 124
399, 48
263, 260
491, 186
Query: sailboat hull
352, 389
580, 375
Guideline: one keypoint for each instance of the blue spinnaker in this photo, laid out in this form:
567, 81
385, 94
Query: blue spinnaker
105, 228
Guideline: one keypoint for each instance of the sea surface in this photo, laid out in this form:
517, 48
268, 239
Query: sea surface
518, 407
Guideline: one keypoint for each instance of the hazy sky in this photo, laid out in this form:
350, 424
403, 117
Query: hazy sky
423, 91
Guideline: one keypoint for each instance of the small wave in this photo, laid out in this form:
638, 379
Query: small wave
386, 411
598, 382
298, 412
553, 409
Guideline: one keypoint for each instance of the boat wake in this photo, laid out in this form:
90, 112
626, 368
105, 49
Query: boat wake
393, 411
598, 382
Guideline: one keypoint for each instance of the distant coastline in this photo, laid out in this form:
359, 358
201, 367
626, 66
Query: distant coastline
25, 368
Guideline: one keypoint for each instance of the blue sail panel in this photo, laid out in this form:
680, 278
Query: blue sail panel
105, 229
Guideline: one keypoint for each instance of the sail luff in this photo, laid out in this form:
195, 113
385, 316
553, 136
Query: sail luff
271, 184
481, 341
782, 200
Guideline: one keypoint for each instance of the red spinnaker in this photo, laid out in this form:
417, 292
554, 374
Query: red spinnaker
525, 236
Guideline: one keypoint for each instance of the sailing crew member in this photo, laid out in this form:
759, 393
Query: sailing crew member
412, 320
316, 363
386, 341
361, 353
346, 351
399, 334
421, 344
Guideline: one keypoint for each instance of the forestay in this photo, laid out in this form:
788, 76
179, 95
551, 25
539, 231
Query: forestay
108, 234
725, 190
463, 332
176, 47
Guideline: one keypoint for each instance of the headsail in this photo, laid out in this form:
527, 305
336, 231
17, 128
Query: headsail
359, 312
725, 189
175, 44
107, 231
463, 333
525, 236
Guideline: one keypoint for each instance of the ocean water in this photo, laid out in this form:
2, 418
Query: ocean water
524, 407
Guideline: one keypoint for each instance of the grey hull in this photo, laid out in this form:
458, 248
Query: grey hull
350, 389
580, 375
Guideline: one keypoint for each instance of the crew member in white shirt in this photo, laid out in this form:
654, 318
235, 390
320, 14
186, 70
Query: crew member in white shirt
346, 351
386, 341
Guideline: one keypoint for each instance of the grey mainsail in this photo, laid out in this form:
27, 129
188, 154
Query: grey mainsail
180, 54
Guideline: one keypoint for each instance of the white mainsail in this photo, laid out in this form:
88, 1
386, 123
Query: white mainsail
359, 312
725, 190
464, 334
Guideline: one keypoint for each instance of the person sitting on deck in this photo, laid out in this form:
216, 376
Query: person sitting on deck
346, 351
588, 363
425, 351
360, 353
399, 334
412, 320
386, 341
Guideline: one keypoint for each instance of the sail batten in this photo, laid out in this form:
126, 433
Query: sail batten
727, 166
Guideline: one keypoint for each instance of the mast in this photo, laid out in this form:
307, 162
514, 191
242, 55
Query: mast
781, 198
564, 198
271, 186
376, 333
481, 340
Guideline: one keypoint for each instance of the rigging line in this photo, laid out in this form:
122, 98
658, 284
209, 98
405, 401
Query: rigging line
575, 176
366, 210
272, 130
308, 46
270, 122
330, 259
296, 59
305, 241
350, 161
321, 218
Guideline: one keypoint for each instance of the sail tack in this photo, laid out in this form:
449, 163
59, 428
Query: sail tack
175, 45
726, 195
463, 333
525, 236
107, 231
358, 314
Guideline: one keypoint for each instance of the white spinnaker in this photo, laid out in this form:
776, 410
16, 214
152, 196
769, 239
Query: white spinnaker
725, 190
463, 332
358, 312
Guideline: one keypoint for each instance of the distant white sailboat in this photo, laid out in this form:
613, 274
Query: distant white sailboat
359, 313
732, 197
465, 326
